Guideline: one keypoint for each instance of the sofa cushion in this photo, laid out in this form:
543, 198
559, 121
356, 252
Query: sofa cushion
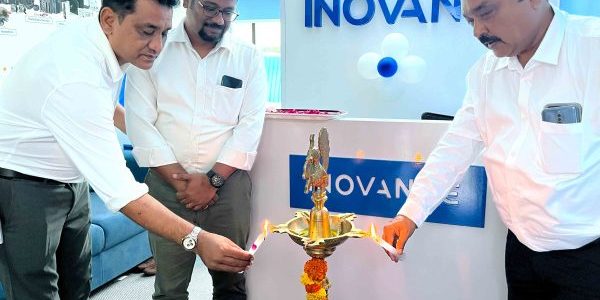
98, 241
116, 226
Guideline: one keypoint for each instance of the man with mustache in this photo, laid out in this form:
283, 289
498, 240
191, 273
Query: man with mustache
56, 133
195, 118
532, 111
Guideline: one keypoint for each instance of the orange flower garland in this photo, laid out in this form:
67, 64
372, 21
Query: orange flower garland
312, 288
314, 279
316, 269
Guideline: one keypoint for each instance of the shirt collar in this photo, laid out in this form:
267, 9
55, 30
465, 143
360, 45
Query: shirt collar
502, 63
179, 35
549, 49
98, 37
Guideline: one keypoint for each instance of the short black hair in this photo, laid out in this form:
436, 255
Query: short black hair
126, 7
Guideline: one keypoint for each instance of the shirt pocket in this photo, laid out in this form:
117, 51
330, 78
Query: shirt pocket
226, 104
561, 147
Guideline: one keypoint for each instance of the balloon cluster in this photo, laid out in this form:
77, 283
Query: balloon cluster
393, 59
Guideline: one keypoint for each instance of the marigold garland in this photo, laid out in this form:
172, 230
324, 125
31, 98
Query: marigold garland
306, 280
312, 288
316, 269
314, 279
320, 295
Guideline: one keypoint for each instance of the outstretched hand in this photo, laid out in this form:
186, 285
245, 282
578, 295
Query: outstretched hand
221, 254
399, 229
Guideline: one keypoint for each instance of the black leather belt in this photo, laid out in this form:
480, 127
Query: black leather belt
10, 175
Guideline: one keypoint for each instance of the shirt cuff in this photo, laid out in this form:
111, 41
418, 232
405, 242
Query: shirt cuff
237, 159
133, 192
414, 211
153, 157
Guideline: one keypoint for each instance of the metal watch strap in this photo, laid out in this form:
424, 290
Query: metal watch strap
195, 232
192, 235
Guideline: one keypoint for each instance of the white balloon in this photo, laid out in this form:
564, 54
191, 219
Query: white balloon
367, 65
412, 69
395, 45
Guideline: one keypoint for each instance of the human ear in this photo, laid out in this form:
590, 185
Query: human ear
107, 19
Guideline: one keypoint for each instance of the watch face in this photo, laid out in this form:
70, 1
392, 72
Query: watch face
216, 180
189, 243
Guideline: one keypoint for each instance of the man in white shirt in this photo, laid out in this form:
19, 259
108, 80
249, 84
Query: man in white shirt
56, 132
195, 118
532, 112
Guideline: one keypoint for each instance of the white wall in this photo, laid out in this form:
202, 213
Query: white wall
320, 64
26, 35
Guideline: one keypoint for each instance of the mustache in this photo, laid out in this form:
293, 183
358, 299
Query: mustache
487, 40
214, 25
209, 38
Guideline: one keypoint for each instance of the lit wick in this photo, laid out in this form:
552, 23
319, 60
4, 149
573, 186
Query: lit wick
267, 228
387, 247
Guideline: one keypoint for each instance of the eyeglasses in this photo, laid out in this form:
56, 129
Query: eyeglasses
211, 11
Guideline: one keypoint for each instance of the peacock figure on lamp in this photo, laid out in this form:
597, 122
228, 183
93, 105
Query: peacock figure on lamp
317, 180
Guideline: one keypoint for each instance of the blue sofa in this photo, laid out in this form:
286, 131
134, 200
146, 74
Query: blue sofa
118, 244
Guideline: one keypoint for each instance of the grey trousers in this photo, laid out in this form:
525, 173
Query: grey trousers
229, 216
46, 253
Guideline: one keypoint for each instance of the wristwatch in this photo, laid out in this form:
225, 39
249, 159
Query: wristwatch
189, 241
215, 179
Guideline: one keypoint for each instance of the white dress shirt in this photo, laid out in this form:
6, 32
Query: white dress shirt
178, 111
56, 114
544, 177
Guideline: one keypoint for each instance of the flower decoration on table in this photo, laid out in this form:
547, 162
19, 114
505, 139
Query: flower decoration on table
315, 280
307, 111
393, 59
303, 113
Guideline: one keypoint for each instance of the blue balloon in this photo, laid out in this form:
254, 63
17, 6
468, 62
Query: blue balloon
387, 67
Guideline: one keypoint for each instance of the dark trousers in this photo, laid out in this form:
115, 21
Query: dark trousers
46, 252
229, 217
560, 275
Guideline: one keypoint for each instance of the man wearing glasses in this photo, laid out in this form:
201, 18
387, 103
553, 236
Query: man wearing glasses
195, 118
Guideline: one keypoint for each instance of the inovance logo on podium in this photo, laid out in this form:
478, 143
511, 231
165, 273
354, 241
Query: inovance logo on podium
379, 188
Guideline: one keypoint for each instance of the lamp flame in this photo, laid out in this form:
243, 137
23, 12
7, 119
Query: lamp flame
387, 247
267, 228
374, 233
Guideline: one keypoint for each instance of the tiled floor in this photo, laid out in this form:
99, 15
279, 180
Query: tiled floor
135, 286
